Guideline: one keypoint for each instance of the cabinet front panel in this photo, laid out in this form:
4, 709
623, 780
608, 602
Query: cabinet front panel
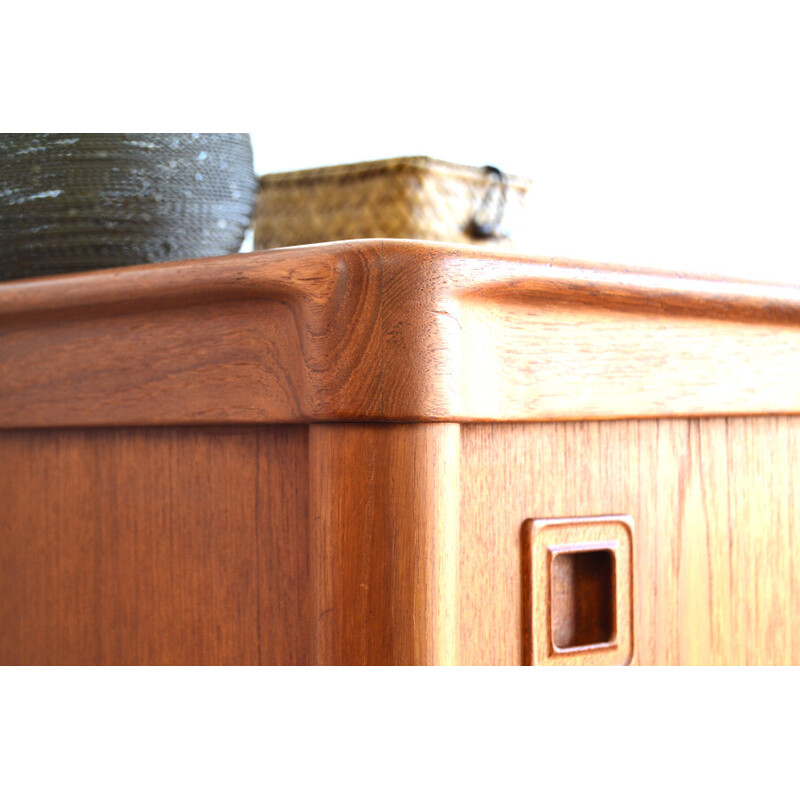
716, 538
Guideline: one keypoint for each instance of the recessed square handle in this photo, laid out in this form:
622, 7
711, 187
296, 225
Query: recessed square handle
583, 596
582, 587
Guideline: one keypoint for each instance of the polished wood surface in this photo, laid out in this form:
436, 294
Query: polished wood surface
389, 330
260, 544
716, 542
148, 546
389, 544
385, 512
344, 454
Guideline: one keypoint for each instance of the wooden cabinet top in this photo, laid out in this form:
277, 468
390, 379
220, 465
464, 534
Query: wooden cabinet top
391, 330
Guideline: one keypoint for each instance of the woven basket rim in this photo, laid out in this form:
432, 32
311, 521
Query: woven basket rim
384, 166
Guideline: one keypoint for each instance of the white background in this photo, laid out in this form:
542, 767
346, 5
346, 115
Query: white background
662, 135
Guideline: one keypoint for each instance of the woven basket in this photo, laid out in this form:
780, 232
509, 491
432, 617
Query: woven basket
76, 201
400, 198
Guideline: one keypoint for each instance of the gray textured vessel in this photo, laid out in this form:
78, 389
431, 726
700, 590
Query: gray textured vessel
77, 201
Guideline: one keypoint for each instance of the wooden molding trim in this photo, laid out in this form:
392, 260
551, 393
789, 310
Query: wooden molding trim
391, 330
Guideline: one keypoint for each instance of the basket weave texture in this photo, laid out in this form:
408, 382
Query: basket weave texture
401, 198
76, 201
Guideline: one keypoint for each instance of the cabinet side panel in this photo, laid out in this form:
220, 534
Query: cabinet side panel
716, 541
150, 546
385, 506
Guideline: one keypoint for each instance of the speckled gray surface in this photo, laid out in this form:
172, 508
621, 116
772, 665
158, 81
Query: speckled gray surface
76, 201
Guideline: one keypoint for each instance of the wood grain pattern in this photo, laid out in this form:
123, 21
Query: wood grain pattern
258, 545
385, 501
717, 536
388, 330
387, 544
152, 546
387, 527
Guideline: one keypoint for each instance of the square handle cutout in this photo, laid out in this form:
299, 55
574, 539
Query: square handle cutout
583, 598
582, 590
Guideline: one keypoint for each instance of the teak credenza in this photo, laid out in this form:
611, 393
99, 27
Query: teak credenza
393, 452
